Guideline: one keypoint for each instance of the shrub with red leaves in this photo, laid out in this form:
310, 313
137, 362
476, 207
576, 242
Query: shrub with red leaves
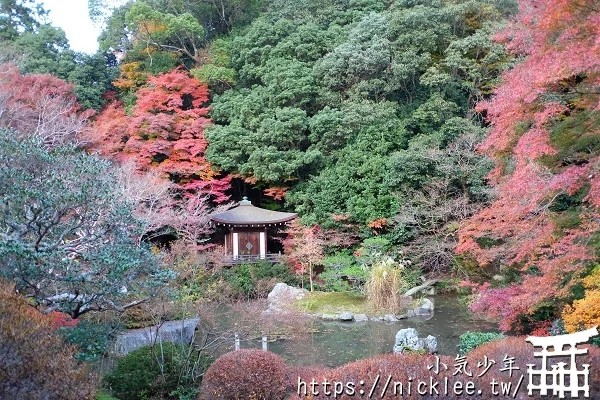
502, 351
246, 374
404, 368
61, 320
304, 374
254, 374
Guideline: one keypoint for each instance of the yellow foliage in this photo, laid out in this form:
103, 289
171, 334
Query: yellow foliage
154, 27
131, 76
592, 281
585, 313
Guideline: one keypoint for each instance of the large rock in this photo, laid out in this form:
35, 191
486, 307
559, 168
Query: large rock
431, 344
173, 331
407, 340
283, 295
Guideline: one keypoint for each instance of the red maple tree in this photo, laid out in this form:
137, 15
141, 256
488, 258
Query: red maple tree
40, 105
165, 133
304, 248
543, 119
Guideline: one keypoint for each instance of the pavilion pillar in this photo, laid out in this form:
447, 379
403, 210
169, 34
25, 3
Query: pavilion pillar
235, 245
263, 244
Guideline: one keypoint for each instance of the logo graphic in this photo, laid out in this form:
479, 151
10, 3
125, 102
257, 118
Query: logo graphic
559, 379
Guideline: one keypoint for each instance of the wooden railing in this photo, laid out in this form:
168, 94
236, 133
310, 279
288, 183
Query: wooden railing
253, 258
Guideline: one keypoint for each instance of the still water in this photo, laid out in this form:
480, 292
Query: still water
332, 343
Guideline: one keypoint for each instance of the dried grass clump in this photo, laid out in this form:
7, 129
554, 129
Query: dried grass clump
386, 284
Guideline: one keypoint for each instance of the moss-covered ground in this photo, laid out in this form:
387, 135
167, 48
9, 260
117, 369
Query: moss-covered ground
334, 303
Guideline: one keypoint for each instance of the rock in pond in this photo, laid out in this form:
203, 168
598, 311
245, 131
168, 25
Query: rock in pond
361, 317
407, 340
425, 308
390, 318
173, 331
431, 344
346, 316
407, 314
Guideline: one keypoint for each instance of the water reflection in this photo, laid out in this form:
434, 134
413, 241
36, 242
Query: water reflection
335, 343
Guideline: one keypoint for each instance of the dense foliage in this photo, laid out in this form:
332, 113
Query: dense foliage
70, 242
38, 47
361, 113
35, 363
543, 227
327, 98
585, 313
163, 370
91, 338
239, 282
471, 340
414, 138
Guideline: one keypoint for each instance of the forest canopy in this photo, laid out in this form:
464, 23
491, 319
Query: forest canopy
461, 134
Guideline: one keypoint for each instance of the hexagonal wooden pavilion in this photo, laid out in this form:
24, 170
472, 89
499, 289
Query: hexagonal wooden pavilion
246, 240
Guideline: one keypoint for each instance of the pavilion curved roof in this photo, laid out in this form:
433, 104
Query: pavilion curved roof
245, 214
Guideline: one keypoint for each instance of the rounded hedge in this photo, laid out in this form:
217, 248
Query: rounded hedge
246, 374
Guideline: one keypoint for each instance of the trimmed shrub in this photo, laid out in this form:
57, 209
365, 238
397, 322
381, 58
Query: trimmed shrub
306, 375
162, 371
35, 363
401, 367
471, 340
246, 374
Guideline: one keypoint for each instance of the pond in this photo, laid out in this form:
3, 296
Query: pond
333, 343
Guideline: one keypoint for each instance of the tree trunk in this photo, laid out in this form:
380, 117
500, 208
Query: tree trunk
310, 275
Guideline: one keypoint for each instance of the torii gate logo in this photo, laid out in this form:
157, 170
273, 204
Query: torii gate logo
558, 379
